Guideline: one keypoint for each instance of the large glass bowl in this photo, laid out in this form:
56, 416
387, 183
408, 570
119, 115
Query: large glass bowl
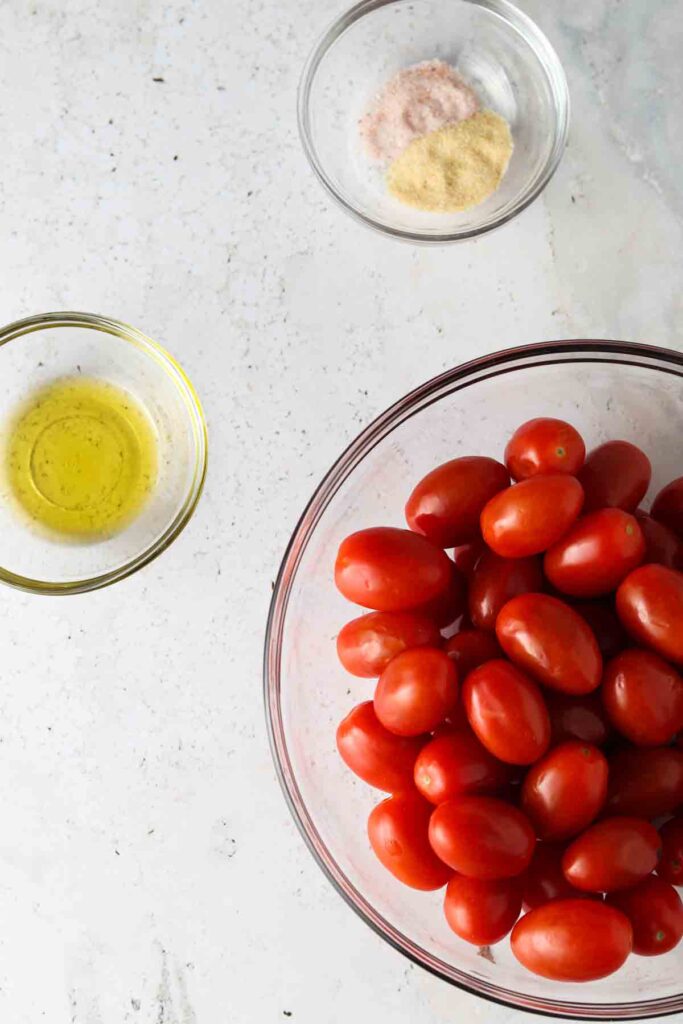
42, 349
608, 390
497, 49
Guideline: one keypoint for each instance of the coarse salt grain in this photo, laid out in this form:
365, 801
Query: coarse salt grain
416, 101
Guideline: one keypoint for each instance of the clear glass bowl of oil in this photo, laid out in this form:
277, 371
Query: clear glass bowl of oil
102, 452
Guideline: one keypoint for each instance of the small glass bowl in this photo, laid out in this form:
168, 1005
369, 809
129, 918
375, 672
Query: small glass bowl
607, 389
496, 48
41, 349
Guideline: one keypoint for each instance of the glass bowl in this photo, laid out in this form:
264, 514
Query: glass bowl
607, 389
41, 349
496, 48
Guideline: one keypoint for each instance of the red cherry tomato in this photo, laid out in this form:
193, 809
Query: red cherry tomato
466, 556
577, 718
572, 940
495, 580
650, 605
655, 911
662, 545
398, 830
416, 691
596, 554
482, 837
448, 606
530, 516
390, 570
615, 475
376, 755
482, 911
564, 791
667, 507
456, 763
550, 641
645, 782
643, 696
606, 627
670, 866
613, 854
366, 645
507, 712
544, 879
544, 445
471, 648
446, 505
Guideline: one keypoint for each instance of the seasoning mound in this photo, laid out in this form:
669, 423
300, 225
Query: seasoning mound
455, 167
417, 100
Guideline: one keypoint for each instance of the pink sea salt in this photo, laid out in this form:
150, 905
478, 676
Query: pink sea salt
417, 100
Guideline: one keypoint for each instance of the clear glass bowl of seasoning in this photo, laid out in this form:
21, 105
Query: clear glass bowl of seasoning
102, 452
499, 53
606, 389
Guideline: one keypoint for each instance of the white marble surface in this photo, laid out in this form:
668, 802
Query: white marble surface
149, 871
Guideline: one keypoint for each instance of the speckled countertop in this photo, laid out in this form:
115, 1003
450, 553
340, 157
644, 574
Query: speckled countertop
149, 871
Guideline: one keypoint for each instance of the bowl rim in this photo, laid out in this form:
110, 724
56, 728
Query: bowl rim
520, 22
666, 360
131, 335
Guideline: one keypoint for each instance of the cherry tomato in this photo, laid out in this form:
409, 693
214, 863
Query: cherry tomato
446, 505
456, 763
544, 879
466, 556
662, 545
507, 712
416, 691
564, 791
544, 445
643, 696
470, 648
667, 507
577, 718
376, 755
398, 830
615, 475
655, 911
572, 940
596, 554
482, 911
530, 516
670, 866
650, 605
495, 580
390, 570
613, 854
366, 645
448, 606
606, 627
550, 641
645, 782
482, 837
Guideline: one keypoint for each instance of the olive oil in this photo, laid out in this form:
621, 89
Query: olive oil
81, 458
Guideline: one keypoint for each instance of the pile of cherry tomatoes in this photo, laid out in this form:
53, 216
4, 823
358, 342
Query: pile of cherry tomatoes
528, 704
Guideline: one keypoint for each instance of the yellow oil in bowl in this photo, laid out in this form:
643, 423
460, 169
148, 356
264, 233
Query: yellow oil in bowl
81, 458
